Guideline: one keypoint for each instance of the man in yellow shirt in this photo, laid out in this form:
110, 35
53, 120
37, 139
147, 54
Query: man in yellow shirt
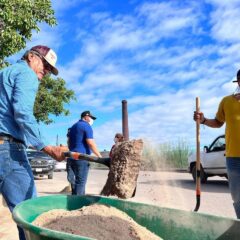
229, 113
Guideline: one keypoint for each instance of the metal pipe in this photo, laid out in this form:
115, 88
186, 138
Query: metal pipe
125, 120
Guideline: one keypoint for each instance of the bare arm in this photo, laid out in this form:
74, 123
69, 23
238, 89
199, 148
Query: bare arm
55, 152
91, 143
213, 123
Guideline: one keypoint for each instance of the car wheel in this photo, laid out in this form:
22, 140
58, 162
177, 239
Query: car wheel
50, 176
203, 175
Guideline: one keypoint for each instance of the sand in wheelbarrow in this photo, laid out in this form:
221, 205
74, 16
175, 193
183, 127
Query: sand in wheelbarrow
100, 221
124, 169
97, 221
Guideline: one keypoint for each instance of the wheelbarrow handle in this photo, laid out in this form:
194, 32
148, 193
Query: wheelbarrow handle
89, 158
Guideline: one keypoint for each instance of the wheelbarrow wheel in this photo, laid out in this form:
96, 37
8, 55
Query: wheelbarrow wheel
203, 175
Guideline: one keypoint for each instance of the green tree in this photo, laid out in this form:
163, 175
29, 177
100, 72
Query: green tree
18, 18
50, 99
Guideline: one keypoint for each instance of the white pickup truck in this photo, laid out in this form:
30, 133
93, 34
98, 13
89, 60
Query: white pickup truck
213, 160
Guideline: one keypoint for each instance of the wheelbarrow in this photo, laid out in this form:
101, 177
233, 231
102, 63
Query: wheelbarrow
167, 223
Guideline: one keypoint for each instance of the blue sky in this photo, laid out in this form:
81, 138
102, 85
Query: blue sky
158, 55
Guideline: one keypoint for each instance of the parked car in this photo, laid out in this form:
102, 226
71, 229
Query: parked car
213, 160
41, 163
60, 166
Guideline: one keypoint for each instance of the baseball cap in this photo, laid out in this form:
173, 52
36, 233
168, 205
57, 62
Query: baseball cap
238, 76
87, 113
48, 54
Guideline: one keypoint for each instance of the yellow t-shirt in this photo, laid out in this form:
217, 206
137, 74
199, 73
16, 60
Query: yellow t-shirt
229, 112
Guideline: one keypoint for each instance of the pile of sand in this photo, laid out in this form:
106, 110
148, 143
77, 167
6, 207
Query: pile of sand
97, 221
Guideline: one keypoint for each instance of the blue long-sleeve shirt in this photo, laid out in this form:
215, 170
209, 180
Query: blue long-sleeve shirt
18, 89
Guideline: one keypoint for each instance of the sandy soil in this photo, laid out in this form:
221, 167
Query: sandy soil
97, 221
124, 169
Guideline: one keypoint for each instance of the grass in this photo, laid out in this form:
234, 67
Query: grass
161, 156
165, 155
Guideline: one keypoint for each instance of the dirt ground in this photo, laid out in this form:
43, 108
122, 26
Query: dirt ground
165, 189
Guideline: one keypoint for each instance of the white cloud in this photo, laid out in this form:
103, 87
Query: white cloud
225, 21
159, 57
63, 5
224, 3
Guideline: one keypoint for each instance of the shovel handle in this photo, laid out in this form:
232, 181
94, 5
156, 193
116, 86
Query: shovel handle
89, 158
198, 164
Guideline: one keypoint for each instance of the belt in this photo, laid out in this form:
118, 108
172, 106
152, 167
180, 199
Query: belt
9, 138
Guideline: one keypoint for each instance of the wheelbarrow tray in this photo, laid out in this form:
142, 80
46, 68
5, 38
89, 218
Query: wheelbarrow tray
169, 224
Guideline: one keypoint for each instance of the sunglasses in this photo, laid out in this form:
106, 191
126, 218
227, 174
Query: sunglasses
46, 65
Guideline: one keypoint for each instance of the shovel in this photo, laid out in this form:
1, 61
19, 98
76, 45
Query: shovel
89, 158
198, 164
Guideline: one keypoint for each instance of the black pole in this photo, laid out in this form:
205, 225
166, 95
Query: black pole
125, 120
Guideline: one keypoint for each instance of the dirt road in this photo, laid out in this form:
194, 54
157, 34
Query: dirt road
165, 189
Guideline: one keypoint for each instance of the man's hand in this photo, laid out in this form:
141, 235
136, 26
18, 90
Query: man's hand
91, 143
55, 152
198, 116
214, 123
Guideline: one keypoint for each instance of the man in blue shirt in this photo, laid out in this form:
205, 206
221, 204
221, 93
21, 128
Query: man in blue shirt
80, 139
18, 127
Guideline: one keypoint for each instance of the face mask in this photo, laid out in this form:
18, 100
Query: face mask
91, 122
115, 140
237, 91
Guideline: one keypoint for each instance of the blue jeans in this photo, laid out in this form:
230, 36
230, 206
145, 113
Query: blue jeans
77, 173
233, 170
16, 177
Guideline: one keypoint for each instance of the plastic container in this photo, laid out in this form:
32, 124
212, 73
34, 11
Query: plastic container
169, 224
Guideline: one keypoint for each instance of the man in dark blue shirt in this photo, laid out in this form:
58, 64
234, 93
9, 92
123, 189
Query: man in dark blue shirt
80, 139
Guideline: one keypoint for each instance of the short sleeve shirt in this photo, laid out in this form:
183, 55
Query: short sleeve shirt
229, 112
78, 134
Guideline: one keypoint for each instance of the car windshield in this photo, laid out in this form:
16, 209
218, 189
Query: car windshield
36, 154
219, 144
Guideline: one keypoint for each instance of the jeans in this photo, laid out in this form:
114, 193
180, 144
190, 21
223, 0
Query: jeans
77, 173
233, 170
16, 177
